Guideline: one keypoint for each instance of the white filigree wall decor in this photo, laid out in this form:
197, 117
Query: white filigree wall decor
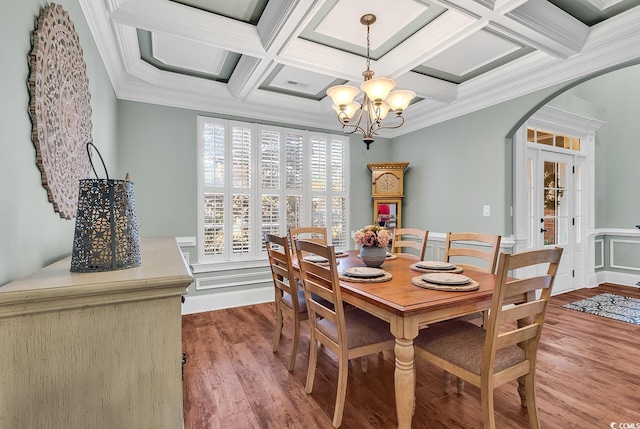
60, 108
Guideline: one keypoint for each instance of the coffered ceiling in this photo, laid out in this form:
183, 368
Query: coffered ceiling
274, 60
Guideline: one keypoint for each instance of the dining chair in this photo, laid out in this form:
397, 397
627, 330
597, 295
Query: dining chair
506, 350
317, 234
289, 299
348, 334
479, 251
410, 238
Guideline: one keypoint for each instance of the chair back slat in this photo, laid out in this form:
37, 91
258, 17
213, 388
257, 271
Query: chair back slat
458, 245
522, 311
410, 238
521, 287
310, 233
516, 336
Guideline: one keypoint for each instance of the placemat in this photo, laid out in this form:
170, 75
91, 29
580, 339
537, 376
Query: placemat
385, 278
415, 267
473, 285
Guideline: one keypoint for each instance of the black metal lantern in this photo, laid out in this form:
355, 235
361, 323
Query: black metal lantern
106, 233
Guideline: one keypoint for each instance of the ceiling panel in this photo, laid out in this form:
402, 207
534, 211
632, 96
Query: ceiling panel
473, 52
188, 54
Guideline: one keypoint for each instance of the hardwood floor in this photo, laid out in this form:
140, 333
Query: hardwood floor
585, 377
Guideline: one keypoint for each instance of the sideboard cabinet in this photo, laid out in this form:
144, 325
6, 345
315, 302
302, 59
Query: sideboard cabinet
95, 350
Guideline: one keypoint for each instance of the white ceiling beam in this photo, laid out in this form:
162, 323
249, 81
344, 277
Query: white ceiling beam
174, 18
429, 87
552, 29
444, 31
536, 23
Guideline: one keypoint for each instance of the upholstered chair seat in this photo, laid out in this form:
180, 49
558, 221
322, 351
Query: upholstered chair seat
362, 329
462, 343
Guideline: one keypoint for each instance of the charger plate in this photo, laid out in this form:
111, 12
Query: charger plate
435, 265
415, 267
448, 279
341, 254
472, 285
315, 258
383, 278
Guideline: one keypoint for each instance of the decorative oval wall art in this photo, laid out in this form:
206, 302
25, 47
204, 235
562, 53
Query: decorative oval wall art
60, 108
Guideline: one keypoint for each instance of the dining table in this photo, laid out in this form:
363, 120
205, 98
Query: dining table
409, 308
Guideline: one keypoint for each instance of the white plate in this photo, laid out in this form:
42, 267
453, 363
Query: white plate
315, 258
339, 252
364, 272
446, 279
435, 265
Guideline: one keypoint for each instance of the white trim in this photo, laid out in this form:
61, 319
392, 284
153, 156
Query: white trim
222, 300
624, 279
226, 266
233, 280
615, 232
612, 254
601, 263
186, 241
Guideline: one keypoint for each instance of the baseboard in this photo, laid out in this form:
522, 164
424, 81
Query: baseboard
222, 300
618, 278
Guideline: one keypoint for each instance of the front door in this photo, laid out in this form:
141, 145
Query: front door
553, 210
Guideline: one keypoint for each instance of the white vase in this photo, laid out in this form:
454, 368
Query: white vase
373, 256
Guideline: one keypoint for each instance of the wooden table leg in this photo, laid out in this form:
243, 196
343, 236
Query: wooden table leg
405, 382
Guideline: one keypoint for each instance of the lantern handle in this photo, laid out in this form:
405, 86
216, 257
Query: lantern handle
91, 160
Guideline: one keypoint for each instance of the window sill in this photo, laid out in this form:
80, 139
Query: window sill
210, 267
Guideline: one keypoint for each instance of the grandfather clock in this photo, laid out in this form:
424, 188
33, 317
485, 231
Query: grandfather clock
387, 191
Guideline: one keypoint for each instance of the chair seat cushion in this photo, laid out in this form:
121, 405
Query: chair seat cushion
302, 302
462, 343
362, 329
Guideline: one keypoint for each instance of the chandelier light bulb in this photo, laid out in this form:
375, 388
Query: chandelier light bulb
342, 95
378, 89
399, 100
347, 111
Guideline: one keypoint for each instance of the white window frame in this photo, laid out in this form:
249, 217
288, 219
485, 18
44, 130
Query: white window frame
256, 255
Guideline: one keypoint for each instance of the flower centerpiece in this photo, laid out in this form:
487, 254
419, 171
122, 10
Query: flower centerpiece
373, 241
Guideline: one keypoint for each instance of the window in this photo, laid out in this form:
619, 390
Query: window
255, 179
550, 139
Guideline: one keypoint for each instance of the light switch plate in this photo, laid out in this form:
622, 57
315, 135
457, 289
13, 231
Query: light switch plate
486, 210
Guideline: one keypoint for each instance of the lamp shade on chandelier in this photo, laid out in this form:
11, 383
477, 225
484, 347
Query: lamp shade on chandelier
378, 99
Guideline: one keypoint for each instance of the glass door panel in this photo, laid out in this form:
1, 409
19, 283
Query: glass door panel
555, 201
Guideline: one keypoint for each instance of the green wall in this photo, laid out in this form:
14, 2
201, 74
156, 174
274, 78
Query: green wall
32, 234
617, 146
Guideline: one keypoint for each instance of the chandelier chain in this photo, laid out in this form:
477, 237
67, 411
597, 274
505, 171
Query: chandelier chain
368, 45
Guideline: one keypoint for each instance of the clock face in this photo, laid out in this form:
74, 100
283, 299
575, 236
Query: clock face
388, 182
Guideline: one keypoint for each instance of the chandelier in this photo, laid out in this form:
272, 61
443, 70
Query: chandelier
377, 100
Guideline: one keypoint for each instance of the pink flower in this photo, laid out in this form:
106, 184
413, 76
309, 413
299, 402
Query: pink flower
383, 238
369, 239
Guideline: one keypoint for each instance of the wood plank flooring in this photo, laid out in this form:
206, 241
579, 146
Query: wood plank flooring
587, 377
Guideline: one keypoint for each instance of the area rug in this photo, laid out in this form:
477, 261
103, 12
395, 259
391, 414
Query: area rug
609, 305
